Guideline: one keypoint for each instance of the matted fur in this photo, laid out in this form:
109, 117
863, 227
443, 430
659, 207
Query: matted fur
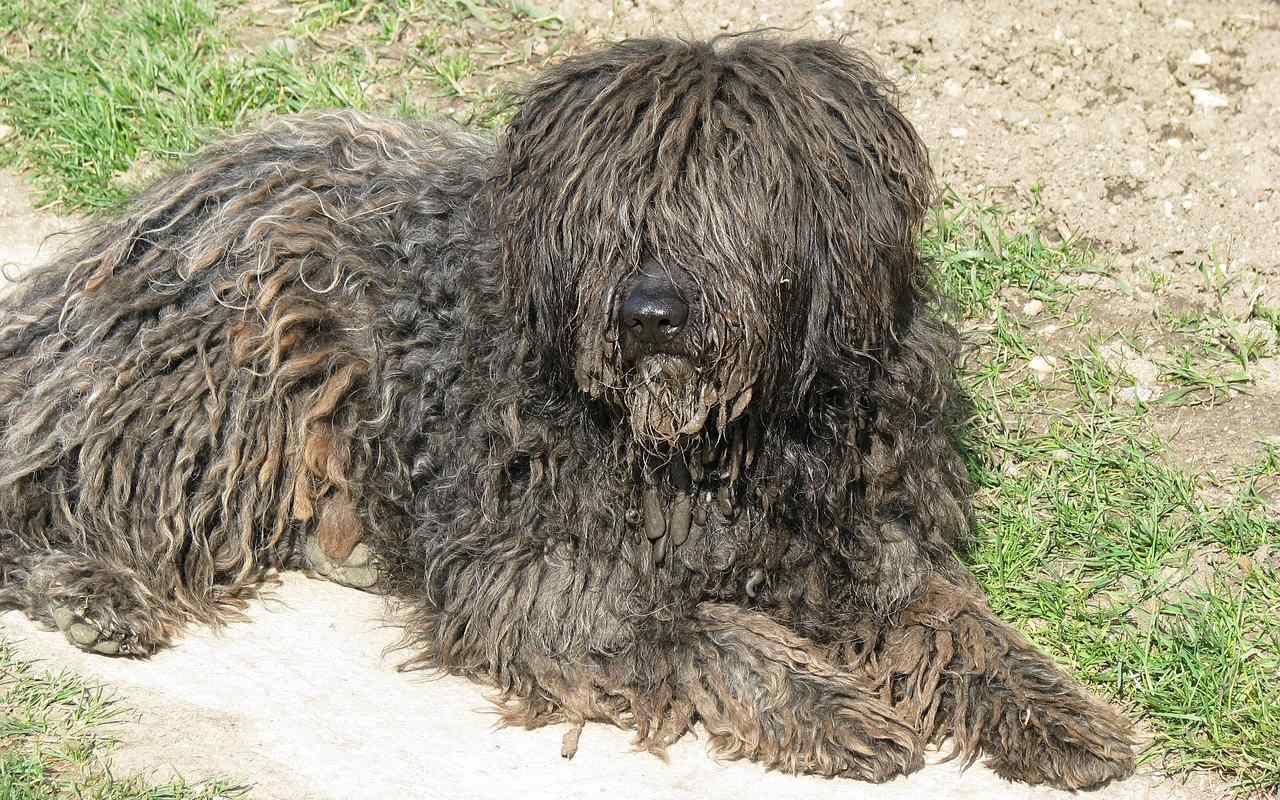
346, 328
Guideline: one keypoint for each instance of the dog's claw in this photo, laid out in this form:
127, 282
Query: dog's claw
569, 744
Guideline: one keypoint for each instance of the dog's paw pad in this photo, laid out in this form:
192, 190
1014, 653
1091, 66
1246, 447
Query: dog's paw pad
89, 636
355, 571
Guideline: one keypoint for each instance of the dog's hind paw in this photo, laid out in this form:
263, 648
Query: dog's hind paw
355, 571
105, 610
88, 634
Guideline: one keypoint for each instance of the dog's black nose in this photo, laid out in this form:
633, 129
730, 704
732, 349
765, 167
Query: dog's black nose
653, 312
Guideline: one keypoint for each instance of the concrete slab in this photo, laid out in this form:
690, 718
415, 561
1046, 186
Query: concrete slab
302, 702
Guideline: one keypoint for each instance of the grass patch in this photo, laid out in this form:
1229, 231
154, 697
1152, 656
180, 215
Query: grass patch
55, 734
98, 92
457, 57
101, 95
1092, 544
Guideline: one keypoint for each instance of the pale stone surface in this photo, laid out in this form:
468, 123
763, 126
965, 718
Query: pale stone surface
302, 702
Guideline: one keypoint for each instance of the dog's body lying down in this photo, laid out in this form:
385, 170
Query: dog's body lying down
640, 411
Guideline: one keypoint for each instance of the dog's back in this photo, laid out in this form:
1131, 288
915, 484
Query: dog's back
190, 393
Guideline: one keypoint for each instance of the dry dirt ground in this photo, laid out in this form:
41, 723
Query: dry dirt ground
1148, 129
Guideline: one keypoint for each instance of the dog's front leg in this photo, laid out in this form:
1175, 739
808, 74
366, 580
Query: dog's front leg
954, 670
766, 694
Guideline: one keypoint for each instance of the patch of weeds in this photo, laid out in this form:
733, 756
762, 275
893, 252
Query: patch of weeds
456, 57
1198, 383
451, 71
1091, 543
1157, 281
318, 16
975, 257
98, 88
55, 736
1269, 314
1226, 340
1215, 276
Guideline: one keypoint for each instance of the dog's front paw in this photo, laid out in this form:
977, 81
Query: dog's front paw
868, 742
106, 611
827, 726
96, 633
1065, 761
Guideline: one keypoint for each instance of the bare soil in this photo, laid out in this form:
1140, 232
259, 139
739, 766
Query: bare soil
1090, 108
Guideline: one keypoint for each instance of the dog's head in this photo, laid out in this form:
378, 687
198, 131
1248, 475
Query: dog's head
694, 229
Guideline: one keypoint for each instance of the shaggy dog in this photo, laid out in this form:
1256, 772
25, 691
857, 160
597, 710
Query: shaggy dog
641, 413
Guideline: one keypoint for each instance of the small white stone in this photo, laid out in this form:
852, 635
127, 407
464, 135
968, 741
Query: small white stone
287, 44
1180, 24
1121, 357
952, 88
5, 132
959, 133
1206, 98
1137, 168
1199, 58
1032, 308
1041, 367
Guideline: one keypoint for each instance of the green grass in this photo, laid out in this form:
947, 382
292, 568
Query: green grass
1088, 537
98, 86
94, 89
55, 736
1089, 540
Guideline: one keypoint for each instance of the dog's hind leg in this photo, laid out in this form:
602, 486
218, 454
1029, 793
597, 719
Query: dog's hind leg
766, 694
99, 606
948, 664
